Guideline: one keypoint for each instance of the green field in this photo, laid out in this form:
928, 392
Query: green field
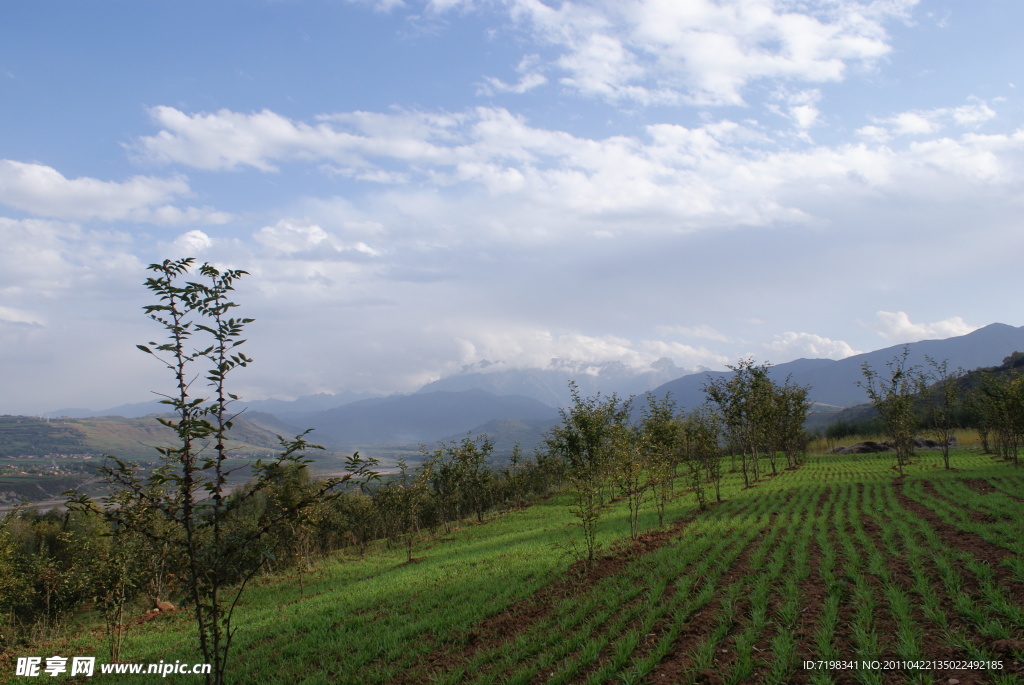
835, 561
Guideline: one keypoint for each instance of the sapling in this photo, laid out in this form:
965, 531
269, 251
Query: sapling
200, 518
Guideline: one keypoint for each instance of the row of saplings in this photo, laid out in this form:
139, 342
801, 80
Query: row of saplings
908, 397
747, 415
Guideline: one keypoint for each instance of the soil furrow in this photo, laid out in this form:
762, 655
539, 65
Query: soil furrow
965, 541
813, 591
933, 644
676, 664
499, 628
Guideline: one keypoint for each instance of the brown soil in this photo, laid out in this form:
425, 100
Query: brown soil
842, 638
932, 640
979, 485
813, 592
677, 665
963, 540
988, 553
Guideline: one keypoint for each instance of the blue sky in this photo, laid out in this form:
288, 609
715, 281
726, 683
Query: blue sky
420, 186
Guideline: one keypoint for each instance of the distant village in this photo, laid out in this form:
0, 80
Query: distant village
48, 464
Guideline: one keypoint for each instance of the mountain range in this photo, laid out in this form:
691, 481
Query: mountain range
833, 383
520, 404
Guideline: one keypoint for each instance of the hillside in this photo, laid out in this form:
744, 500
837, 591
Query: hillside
837, 561
854, 418
126, 438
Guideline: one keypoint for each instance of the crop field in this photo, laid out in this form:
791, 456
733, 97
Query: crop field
836, 572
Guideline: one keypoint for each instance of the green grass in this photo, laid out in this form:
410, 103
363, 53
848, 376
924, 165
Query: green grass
892, 586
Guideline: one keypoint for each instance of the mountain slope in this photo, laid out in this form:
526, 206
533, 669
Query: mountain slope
423, 417
551, 385
134, 439
835, 382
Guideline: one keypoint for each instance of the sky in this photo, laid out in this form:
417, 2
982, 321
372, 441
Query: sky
416, 187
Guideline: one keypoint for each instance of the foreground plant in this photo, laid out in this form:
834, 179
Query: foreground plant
187, 501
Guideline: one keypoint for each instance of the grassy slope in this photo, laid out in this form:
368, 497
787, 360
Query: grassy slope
126, 438
835, 560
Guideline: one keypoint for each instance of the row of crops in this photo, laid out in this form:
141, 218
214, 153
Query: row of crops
825, 564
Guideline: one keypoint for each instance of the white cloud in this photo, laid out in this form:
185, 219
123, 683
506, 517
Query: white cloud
513, 346
445, 169
897, 327
801, 108
913, 123
19, 316
228, 140
293, 238
705, 52
792, 345
974, 114
193, 243
384, 6
44, 191
527, 82
703, 331
530, 78
928, 122
45, 261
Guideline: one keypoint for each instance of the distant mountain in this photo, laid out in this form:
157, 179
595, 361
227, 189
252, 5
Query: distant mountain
833, 383
128, 411
551, 385
507, 433
127, 438
419, 418
1012, 367
280, 408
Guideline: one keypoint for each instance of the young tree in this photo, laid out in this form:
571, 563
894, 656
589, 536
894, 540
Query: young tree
190, 490
702, 454
661, 433
942, 403
515, 477
790, 407
1000, 400
460, 477
744, 402
893, 395
629, 470
586, 442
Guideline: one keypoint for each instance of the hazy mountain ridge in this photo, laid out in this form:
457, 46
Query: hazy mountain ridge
519, 404
419, 418
279, 408
834, 382
550, 385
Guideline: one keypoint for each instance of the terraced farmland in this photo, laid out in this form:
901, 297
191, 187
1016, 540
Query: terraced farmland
892, 579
